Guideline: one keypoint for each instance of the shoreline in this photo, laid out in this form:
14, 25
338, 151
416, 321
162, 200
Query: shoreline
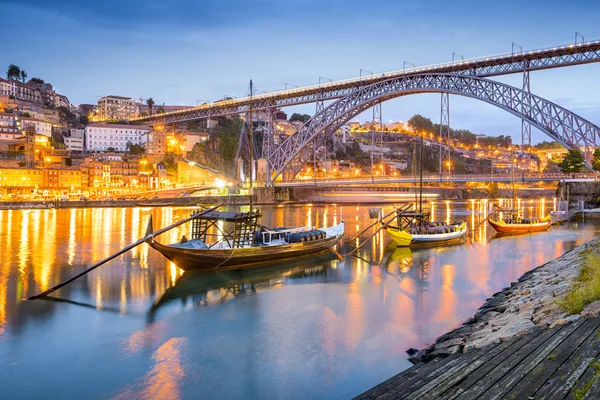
515, 311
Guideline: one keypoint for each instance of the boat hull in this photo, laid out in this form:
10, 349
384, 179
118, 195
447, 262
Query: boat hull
502, 227
200, 259
404, 239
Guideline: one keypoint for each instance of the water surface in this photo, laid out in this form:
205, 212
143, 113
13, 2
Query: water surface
324, 327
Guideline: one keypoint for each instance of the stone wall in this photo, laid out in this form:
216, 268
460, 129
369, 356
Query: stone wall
586, 191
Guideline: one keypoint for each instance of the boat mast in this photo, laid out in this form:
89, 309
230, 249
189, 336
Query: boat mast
251, 145
421, 176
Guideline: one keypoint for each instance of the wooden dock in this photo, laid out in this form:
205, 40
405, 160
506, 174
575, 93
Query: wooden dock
558, 363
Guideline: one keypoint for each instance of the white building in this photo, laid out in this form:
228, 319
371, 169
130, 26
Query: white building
75, 140
191, 138
99, 137
41, 127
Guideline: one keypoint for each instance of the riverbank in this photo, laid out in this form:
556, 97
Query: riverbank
528, 304
162, 202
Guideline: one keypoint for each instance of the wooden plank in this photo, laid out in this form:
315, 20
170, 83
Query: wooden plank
594, 392
486, 354
406, 388
536, 378
511, 377
425, 384
387, 385
586, 379
478, 374
572, 370
488, 380
415, 376
369, 393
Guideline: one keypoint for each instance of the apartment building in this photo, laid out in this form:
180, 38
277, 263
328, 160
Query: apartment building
101, 137
116, 108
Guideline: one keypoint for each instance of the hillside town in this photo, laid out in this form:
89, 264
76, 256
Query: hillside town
50, 148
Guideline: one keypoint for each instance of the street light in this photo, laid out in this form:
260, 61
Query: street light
448, 165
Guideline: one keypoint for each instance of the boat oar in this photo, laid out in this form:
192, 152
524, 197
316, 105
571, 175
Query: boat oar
383, 226
149, 234
376, 222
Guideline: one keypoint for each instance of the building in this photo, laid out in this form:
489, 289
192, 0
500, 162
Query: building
190, 139
75, 140
62, 178
116, 108
41, 127
101, 137
8, 127
21, 178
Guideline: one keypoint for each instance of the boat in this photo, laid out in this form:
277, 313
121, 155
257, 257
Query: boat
520, 225
414, 228
427, 234
225, 240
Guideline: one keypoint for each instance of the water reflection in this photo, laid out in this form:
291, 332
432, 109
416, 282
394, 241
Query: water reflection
317, 325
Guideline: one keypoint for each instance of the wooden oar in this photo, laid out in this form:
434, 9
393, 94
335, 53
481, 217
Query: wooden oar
149, 235
383, 226
378, 221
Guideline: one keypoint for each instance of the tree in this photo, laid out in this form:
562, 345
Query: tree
111, 149
420, 123
23, 76
150, 103
160, 110
37, 81
13, 72
135, 149
596, 160
573, 162
84, 120
25, 115
299, 117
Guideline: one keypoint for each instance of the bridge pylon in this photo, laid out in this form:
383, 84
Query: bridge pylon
444, 128
526, 126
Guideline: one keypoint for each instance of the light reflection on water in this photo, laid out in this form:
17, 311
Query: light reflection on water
140, 328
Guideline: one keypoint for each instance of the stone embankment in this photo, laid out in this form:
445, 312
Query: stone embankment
517, 310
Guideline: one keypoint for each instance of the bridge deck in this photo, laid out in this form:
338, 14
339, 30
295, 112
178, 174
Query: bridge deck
558, 363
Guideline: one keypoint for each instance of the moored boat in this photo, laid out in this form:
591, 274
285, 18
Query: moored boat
427, 234
521, 225
224, 240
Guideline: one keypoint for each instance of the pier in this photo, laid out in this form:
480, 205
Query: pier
558, 363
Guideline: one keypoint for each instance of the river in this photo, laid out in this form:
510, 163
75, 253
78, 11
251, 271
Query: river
324, 327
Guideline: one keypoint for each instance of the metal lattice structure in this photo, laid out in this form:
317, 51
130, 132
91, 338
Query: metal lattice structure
553, 57
557, 122
525, 126
445, 127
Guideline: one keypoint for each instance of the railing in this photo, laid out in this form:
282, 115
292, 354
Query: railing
437, 178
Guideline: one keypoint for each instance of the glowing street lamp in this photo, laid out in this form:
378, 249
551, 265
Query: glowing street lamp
448, 165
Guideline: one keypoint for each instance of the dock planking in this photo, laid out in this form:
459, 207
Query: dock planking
551, 364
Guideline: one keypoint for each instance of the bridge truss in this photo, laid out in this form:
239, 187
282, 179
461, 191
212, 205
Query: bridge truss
560, 124
516, 62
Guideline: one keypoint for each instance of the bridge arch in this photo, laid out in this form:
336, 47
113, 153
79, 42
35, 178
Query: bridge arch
560, 124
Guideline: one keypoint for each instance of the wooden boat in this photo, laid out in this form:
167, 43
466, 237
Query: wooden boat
427, 234
521, 225
223, 240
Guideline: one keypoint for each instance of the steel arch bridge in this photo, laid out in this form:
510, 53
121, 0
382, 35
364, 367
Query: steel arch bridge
558, 123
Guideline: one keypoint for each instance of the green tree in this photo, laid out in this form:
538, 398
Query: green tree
596, 160
84, 120
13, 72
421, 124
135, 149
573, 162
150, 103
111, 150
23, 76
36, 81
300, 117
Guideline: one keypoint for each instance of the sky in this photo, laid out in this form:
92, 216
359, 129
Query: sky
185, 52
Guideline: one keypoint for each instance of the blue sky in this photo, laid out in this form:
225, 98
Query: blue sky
181, 52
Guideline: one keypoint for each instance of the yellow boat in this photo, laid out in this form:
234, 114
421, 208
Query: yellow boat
404, 238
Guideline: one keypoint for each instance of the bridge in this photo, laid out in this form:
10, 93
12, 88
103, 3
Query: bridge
469, 78
437, 178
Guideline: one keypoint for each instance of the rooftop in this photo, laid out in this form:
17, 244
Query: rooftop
120, 126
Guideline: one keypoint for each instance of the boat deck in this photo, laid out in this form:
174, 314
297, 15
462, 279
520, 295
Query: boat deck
558, 363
